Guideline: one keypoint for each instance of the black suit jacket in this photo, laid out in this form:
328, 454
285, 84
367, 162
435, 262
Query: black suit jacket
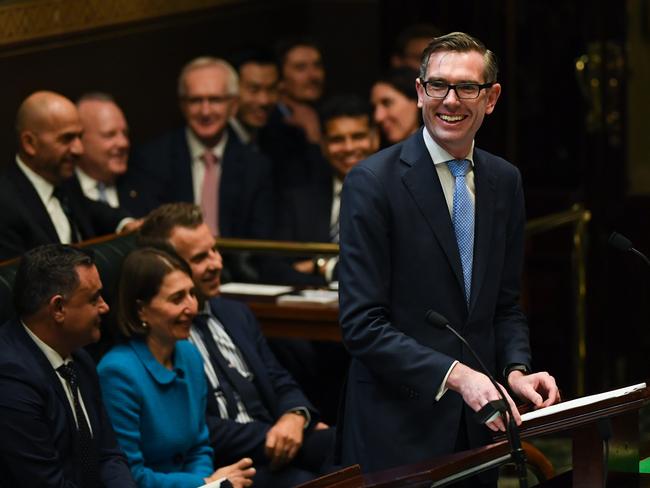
25, 223
399, 258
277, 389
245, 190
37, 426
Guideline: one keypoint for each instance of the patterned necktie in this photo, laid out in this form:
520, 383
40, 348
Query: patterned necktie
210, 192
85, 446
101, 191
334, 227
463, 220
64, 201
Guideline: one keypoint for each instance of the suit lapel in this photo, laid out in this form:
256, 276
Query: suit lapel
33, 203
485, 184
422, 182
230, 185
182, 164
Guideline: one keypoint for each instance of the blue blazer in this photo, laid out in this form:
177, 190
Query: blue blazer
399, 258
245, 191
37, 426
277, 389
158, 414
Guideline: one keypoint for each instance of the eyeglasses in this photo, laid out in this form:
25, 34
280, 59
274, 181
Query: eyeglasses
464, 91
212, 101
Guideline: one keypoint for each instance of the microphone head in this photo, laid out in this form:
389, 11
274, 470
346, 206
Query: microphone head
619, 242
435, 319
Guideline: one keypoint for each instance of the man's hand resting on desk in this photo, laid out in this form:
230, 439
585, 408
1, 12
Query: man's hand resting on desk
538, 388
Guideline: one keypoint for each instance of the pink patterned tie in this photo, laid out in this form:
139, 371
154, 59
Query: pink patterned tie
210, 192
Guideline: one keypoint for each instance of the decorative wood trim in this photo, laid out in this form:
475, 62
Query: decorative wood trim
26, 21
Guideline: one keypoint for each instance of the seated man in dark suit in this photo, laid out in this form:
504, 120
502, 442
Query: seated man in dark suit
255, 408
311, 213
53, 427
37, 207
204, 162
102, 170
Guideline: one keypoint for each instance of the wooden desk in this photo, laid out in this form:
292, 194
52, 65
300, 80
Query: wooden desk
304, 321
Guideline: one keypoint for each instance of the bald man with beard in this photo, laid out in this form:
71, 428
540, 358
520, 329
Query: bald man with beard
37, 204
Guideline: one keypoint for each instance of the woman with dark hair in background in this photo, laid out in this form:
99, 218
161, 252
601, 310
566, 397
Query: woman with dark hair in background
154, 386
395, 104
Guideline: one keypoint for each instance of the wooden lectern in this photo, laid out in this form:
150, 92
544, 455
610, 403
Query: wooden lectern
615, 419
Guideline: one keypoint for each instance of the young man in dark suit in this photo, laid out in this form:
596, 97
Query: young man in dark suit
255, 409
434, 223
53, 427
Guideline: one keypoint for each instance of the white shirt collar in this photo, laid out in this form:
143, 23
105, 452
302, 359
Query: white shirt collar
438, 154
197, 148
43, 187
88, 183
52, 356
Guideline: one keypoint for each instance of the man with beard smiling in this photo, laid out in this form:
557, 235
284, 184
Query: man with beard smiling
37, 207
434, 223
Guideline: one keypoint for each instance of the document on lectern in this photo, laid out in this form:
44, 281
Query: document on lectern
579, 402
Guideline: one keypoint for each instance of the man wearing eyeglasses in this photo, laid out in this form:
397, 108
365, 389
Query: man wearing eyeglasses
204, 162
434, 223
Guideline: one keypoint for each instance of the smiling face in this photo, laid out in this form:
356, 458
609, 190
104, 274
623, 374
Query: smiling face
258, 93
397, 115
452, 122
206, 102
105, 139
348, 140
196, 247
303, 75
170, 312
51, 143
81, 311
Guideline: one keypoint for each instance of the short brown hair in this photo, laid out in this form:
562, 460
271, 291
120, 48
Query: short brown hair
461, 42
158, 225
143, 271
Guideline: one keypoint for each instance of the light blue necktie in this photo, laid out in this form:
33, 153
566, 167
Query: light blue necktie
463, 219
101, 190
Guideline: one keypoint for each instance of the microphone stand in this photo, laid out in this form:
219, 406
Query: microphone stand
512, 431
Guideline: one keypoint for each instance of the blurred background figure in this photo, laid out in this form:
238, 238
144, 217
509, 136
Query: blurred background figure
102, 170
258, 92
395, 104
410, 43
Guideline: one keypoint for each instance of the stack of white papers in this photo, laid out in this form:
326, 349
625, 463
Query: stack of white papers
325, 297
579, 402
254, 289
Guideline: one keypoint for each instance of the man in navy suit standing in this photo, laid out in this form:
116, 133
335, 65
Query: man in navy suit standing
255, 408
53, 427
434, 223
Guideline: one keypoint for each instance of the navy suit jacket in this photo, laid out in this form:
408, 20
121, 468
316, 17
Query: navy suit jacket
245, 190
37, 426
399, 258
277, 389
25, 223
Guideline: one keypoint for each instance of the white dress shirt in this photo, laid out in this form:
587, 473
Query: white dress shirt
56, 360
45, 191
439, 157
198, 165
90, 188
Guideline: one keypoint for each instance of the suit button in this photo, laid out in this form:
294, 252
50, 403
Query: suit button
178, 459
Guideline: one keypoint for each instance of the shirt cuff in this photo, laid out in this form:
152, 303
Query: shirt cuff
442, 389
123, 222
329, 268
304, 412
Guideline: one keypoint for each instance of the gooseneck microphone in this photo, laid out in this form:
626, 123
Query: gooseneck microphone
622, 243
485, 414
